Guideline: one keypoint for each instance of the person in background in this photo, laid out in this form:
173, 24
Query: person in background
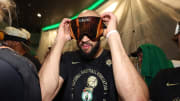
90, 73
19, 41
151, 59
18, 78
166, 84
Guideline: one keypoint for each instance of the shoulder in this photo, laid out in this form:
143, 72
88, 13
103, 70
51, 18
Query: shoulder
68, 56
170, 71
5, 66
20, 63
166, 75
8, 73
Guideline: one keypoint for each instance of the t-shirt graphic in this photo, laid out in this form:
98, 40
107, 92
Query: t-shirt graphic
87, 80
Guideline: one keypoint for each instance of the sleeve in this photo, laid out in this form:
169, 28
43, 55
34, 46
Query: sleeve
63, 67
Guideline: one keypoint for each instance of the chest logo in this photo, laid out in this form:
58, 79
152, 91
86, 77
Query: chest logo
87, 94
75, 63
171, 84
92, 82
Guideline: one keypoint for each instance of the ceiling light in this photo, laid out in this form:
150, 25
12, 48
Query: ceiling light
39, 15
92, 7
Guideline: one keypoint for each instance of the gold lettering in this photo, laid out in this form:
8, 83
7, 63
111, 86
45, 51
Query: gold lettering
75, 79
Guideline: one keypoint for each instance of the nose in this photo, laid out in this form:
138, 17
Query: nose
85, 38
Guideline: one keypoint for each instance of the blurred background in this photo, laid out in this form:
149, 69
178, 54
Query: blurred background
139, 22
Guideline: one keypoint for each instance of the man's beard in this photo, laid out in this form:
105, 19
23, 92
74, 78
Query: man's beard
91, 54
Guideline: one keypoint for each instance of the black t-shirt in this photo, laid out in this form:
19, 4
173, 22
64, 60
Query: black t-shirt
18, 79
166, 85
33, 60
11, 84
87, 81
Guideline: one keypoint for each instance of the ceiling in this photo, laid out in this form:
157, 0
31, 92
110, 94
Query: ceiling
50, 12
140, 22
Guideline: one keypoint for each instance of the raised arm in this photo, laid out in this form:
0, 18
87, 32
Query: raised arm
50, 81
129, 84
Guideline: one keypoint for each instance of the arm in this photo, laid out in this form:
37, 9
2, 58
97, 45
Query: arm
50, 81
129, 84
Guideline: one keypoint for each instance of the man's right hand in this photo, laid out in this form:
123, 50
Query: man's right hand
63, 33
111, 20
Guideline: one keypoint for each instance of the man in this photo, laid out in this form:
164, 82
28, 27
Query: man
95, 78
21, 43
18, 79
166, 84
151, 60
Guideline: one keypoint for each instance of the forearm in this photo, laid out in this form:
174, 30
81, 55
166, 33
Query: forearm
128, 82
49, 73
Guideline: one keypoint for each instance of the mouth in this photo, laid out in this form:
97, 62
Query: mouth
85, 47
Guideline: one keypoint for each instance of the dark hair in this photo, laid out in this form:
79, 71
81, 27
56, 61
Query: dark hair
135, 54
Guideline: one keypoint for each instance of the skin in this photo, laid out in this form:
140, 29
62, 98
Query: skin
16, 46
129, 84
140, 57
